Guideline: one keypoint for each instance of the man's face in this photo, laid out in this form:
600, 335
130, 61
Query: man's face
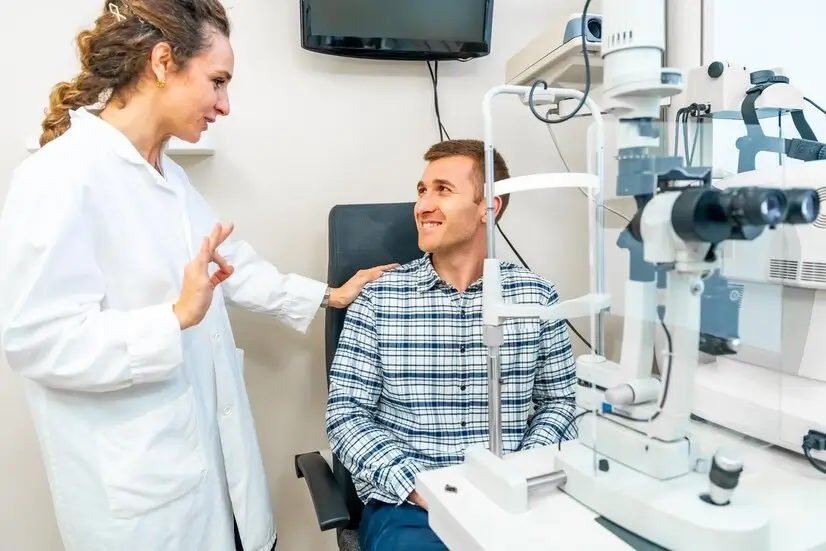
449, 212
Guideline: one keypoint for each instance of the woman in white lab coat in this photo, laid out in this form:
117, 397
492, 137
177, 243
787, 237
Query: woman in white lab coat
109, 260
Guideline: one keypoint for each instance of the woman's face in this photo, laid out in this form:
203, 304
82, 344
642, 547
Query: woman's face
193, 98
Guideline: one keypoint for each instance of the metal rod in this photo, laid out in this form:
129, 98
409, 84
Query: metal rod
493, 334
556, 478
599, 338
495, 401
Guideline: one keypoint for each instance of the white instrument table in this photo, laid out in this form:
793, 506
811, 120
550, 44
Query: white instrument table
466, 520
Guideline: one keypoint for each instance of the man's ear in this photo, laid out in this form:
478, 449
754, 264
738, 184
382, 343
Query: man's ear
497, 208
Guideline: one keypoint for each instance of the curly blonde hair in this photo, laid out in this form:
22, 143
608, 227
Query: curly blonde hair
114, 52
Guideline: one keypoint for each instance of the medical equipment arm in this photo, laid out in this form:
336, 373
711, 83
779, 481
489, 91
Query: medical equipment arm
366, 449
554, 390
55, 328
257, 285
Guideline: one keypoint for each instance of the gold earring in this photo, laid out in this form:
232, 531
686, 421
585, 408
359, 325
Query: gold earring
161, 83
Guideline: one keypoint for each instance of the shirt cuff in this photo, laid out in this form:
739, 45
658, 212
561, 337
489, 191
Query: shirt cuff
402, 481
307, 295
153, 343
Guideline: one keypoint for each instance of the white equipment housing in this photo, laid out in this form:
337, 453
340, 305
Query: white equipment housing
774, 388
560, 64
649, 477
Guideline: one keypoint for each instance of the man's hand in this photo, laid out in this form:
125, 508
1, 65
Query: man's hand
416, 499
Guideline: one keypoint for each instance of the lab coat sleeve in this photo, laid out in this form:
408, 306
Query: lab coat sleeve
54, 329
258, 286
368, 451
554, 390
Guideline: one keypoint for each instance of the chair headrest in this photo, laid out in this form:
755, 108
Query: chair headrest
363, 236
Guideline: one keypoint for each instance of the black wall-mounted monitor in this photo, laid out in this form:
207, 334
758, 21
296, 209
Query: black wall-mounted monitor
411, 30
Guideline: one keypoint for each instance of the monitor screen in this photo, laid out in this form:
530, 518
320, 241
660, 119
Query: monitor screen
420, 29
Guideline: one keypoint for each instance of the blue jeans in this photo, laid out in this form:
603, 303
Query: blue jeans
386, 527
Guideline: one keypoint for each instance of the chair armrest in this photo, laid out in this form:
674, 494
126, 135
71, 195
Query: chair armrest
327, 496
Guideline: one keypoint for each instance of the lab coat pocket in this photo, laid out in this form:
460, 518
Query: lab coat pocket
239, 360
152, 460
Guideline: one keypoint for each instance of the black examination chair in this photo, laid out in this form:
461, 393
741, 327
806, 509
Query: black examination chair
360, 236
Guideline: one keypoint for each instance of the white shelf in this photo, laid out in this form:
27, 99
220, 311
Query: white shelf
177, 148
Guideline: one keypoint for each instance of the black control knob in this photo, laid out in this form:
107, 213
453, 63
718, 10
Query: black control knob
715, 70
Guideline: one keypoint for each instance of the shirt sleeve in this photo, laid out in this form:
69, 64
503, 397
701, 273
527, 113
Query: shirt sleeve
258, 286
368, 451
53, 325
554, 391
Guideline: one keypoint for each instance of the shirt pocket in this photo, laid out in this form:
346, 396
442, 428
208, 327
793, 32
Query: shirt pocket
152, 460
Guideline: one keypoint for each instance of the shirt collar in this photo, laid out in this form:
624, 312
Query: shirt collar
88, 119
428, 278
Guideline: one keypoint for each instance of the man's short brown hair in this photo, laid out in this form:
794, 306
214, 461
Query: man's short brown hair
474, 149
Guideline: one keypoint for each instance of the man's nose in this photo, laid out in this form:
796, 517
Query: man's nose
424, 204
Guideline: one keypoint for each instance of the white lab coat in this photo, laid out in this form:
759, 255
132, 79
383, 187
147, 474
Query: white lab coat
146, 431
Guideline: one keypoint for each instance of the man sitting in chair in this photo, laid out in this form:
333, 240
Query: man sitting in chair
408, 386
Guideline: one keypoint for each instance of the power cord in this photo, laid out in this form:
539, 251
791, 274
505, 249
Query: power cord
434, 78
684, 114
816, 106
573, 421
568, 169
544, 84
815, 441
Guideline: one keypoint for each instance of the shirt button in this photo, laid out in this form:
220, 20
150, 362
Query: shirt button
464, 423
463, 387
228, 410
462, 350
216, 337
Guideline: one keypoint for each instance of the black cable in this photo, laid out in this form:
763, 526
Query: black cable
815, 440
434, 78
544, 84
577, 417
816, 106
525, 264
666, 385
816, 463
684, 114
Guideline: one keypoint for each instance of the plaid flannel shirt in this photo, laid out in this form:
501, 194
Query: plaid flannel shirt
408, 385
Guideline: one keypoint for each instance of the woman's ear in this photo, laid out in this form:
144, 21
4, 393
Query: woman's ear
160, 61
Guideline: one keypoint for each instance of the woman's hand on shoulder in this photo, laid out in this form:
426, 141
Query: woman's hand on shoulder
343, 296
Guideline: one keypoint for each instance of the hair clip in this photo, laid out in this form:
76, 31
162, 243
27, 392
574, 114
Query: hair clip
113, 9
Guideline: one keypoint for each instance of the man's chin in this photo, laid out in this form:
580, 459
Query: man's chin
428, 246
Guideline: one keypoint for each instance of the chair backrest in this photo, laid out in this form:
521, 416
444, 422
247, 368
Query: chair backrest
363, 236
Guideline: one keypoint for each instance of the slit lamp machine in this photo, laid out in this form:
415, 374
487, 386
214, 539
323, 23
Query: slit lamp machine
718, 450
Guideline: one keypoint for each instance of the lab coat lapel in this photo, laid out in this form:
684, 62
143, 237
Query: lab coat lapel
105, 133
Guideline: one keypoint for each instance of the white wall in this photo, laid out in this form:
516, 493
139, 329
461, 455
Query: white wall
306, 132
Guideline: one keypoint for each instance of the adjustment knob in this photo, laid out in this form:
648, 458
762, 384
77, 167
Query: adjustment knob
723, 476
715, 70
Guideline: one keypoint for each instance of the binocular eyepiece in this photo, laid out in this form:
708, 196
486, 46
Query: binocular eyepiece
710, 215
